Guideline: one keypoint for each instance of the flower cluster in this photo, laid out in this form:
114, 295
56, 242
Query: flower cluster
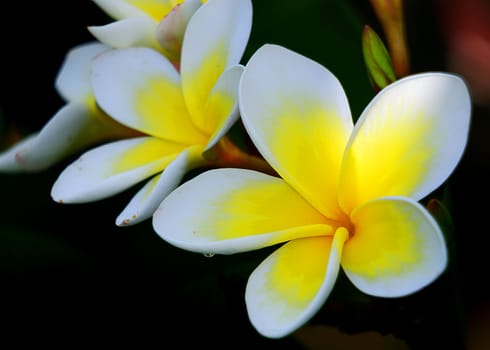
163, 85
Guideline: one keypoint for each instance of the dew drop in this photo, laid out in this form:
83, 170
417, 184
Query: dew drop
208, 255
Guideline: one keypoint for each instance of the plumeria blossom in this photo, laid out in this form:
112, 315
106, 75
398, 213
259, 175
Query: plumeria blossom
183, 116
347, 196
158, 24
77, 125
81, 123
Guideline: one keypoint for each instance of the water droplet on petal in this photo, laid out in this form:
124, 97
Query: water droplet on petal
208, 255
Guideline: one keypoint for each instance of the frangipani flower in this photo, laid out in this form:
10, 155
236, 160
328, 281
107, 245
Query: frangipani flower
77, 125
347, 197
81, 123
182, 116
158, 24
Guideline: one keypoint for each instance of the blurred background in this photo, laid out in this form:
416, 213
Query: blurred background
70, 276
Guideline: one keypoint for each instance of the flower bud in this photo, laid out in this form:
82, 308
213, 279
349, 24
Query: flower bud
377, 59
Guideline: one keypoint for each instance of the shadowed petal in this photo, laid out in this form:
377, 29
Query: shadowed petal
408, 140
129, 32
73, 79
222, 105
119, 9
292, 284
8, 157
397, 248
112, 168
231, 210
147, 200
140, 88
73, 128
215, 39
170, 31
300, 121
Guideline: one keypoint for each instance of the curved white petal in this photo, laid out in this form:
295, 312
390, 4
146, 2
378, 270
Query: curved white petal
231, 210
170, 31
222, 106
215, 39
129, 32
155, 9
146, 201
112, 168
292, 284
73, 79
397, 248
74, 127
408, 140
8, 157
298, 116
140, 88
119, 9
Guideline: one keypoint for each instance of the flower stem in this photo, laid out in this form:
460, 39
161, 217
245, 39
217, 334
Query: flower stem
226, 154
390, 14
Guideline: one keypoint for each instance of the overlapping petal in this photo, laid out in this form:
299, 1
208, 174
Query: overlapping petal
231, 210
73, 79
215, 39
408, 140
140, 88
292, 284
129, 32
156, 24
300, 121
396, 249
119, 9
156, 9
112, 168
77, 125
146, 201
221, 109
73, 128
170, 31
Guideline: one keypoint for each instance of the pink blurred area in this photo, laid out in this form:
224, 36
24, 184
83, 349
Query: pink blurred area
465, 27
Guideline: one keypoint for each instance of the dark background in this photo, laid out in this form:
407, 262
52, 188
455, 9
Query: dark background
70, 276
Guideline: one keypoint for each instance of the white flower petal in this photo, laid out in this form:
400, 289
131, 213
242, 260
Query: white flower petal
146, 201
222, 107
215, 39
408, 140
140, 88
129, 32
73, 128
298, 116
230, 210
170, 31
8, 157
119, 9
73, 79
397, 248
292, 284
112, 168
